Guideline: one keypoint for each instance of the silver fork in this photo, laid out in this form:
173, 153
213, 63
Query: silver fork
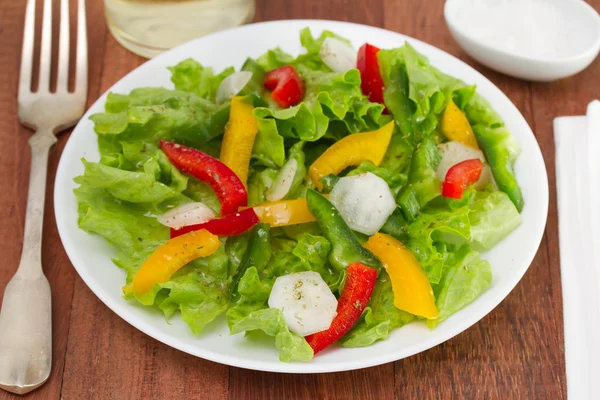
25, 319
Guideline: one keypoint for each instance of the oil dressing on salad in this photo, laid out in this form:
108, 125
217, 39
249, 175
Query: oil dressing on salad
323, 199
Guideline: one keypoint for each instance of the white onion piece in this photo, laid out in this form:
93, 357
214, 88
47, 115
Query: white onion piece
365, 201
338, 55
186, 214
232, 85
307, 304
455, 152
283, 182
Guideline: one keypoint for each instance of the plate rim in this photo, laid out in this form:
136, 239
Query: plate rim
297, 367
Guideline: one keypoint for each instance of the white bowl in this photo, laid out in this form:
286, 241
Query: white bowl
90, 254
586, 40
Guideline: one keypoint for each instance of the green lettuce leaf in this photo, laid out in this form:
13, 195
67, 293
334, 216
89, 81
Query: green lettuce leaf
328, 96
118, 197
465, 277
254, 294
133, 124
492, 217
191, 76
428, 235
416, 93
284, 263
481, 219
134, 187
282, 243
269, 149
159, 165
198, 291
312, 251
296, 232
273, 59
270, 320
309, 253
124, 225
425, 91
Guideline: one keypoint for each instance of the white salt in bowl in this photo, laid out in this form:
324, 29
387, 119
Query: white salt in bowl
537, 40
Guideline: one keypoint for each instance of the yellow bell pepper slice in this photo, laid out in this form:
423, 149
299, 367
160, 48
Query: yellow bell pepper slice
352, 150
284, 212
412, 290
170, 257
455, 126
239, 137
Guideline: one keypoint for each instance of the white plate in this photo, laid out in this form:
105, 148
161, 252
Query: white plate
90, 254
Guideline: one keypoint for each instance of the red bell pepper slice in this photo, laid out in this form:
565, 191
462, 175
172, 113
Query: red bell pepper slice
360, 282
229, 188
230, 225
371, 81
460, 176
285, 84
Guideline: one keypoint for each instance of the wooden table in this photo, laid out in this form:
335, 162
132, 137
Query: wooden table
516, 351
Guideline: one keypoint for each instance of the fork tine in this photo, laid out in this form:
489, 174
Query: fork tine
62, 82
27, 52
45, 54
81, 81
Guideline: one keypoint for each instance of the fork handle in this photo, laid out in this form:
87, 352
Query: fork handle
31, 255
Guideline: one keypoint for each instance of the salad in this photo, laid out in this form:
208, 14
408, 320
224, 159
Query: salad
323, 199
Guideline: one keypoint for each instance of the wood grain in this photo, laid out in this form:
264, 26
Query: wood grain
516, 351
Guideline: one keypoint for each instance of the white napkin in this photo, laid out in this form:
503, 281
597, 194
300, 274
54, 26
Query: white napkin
578, 186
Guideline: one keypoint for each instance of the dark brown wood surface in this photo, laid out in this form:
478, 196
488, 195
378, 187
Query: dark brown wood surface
517, 351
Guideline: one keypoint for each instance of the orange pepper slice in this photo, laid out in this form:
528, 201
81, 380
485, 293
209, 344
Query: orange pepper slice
170, 257
239, 136
352, 150
284, 212
456, 126
412, 290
